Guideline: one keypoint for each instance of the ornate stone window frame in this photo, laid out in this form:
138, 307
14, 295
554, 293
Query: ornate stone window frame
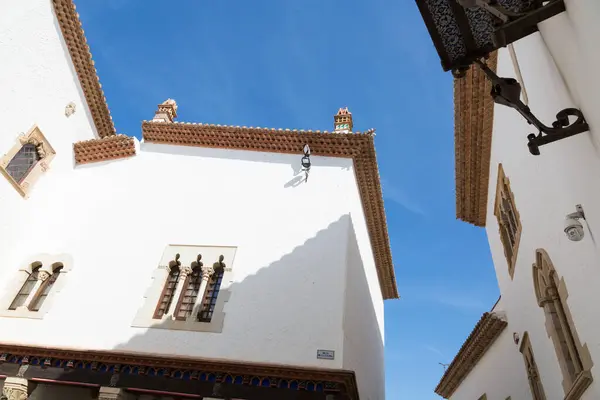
533, 374
48, 264
505, 198
574, 358
47, 153
186, 258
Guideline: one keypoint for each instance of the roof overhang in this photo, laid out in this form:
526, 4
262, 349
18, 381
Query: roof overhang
360, 147
485, 333
81, 57
473, 124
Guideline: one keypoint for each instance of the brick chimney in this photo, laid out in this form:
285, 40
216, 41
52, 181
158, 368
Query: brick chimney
342, 121
167, 111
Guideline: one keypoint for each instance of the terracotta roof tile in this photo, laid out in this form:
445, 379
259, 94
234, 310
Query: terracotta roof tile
485, 333
358, 146
109, 148
79, 50
473, 122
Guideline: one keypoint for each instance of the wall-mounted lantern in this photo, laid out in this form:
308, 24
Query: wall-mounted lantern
465, 32
305, 161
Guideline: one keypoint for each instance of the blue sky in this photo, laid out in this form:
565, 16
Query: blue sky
292, 64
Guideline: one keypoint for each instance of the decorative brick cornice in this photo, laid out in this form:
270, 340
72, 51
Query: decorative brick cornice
111, 362
74, 37
473, 122
358, 146
485, 333
109, 148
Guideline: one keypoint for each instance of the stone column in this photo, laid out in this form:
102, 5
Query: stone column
14, 389
42, 276
183, 274
112, 393
207, 271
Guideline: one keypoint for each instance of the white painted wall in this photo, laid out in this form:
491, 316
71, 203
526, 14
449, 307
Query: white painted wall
500, 373
114, 219
559, 70
363, 337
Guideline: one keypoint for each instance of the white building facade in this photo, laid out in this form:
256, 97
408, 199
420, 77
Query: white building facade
550, 344
204, 261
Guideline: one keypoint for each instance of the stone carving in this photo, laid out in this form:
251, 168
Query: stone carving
11, 393
41, 150
113, 380
185, 271
22, 370
167, 111
170, 102
14, 389
207, 271
43, 275
70, 109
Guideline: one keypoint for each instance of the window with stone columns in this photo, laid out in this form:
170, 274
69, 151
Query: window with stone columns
533, 375
189, 289
45, 289
169, 288
211, 294
27, 289
509, 223
27, 160
574, 359
30, 293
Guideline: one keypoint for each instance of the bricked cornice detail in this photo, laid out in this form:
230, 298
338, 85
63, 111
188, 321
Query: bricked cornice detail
74, 37
485, 333
109, 148
358, 146
473, 122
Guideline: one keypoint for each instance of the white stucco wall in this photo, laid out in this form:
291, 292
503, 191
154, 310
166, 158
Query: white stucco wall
114, 220
559, 70
363, 340
499, 374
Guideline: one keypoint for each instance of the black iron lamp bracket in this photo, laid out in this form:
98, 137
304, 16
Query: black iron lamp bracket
507, 92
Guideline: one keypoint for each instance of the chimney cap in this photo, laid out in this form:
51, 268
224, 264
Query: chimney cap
344, 111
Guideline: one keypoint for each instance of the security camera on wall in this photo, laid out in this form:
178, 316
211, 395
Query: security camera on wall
573, 227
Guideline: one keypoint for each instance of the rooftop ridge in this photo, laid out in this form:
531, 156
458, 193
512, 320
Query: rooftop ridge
370, 131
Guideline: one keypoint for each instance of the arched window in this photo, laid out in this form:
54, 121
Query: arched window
551, 295
191, 288
210, 297
533, 376
23, 162
26, 289
168, 292
509, 222
45, 289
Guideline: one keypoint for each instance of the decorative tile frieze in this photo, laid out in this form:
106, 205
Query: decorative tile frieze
247, 374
